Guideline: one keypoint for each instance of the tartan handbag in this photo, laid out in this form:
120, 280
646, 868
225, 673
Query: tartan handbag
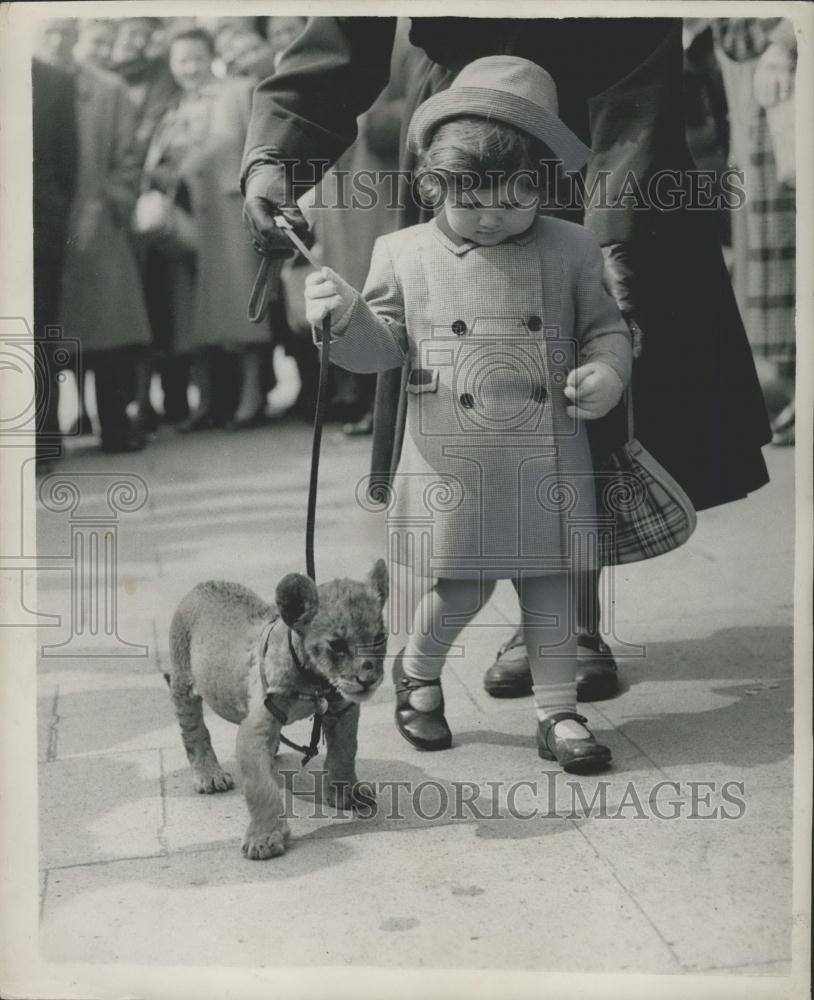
642, 511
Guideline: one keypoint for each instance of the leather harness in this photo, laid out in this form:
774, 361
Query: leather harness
324, 694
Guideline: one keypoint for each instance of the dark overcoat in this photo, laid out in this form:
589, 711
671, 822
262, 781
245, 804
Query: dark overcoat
698, 403
102, 299
54, 181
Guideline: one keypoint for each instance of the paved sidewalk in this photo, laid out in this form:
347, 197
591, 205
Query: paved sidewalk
138, 868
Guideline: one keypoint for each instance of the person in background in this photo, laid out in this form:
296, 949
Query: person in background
152, 89
250, 55
95, 44
223, 31
226, 263
183, 130
150, 85
94, 48
54, 182
758, 58
102, 303
231, 36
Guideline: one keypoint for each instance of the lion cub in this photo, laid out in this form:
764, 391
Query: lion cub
236, 652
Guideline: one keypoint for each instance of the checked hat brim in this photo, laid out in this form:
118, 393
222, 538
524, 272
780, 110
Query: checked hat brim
497, 105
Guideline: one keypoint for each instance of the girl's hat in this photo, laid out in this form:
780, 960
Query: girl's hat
507, 89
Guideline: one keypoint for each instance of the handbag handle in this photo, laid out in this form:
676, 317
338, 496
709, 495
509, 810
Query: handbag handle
629, 406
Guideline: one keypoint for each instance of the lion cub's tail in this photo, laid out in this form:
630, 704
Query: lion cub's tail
179, 650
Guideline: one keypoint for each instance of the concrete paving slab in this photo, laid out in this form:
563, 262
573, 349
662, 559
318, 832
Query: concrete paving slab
433, 902
719, 891
110, 676
689, 724
98, 808
113, 722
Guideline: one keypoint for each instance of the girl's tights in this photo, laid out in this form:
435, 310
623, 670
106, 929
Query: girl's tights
547, 616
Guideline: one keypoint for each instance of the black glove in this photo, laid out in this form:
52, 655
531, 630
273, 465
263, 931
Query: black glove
268, 193
620, 281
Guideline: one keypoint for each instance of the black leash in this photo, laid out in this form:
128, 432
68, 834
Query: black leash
324, 693
257, 308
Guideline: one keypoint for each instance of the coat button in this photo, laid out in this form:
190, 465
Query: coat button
459, 328
534, 323
467, 400
539, 393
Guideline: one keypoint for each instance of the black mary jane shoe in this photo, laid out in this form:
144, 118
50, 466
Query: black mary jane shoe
577, 756
424, 730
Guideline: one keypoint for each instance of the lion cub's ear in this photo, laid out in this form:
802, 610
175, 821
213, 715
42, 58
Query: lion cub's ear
297, 600
378, 580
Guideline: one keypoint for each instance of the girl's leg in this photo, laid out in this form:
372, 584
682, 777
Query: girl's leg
433, 634
552, 650
551, 645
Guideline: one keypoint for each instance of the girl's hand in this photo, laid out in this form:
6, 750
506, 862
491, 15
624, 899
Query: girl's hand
595, 388
326, 292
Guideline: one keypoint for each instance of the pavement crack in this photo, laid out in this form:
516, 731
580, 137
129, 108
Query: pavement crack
628, 892
156, 648
162, 784
53, 728
42, 893
620, 729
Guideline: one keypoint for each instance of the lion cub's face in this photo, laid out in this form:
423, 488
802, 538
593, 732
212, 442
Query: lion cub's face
346, 640
342, 628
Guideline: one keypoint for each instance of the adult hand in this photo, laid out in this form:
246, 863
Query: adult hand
620, 281
594, 388
268, 193
774, 76
327, 292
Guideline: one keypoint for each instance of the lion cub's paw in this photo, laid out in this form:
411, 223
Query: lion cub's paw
261, 846
358, 795
213, 779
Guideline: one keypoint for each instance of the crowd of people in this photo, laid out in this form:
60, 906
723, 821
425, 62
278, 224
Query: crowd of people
142, 257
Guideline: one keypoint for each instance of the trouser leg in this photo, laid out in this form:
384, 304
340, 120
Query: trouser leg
113, 384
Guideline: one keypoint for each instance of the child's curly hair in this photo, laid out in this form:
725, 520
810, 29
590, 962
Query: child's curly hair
470, 152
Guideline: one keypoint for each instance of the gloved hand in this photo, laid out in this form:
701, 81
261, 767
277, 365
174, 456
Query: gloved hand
327, 292
595, 388
620, 281
268, 192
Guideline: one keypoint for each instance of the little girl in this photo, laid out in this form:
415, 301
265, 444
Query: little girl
511, 342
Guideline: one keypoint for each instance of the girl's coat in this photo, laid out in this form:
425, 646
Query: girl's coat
494, 476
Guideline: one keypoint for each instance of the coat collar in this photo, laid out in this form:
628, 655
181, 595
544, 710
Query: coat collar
459, 246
